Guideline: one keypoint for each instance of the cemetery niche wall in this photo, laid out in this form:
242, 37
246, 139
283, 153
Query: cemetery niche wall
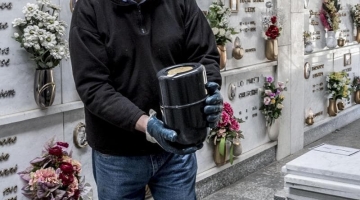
24, 127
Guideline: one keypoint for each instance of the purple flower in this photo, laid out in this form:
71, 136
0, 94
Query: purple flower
272, 95
278, 92
269, 79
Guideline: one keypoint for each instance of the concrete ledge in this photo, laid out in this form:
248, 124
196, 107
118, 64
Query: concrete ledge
209, 184
329, 125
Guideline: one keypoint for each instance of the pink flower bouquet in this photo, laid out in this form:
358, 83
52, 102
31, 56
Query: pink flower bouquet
54, 175
272, 100
227, 129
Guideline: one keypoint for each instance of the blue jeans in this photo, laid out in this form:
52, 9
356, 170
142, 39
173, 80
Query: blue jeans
169, 176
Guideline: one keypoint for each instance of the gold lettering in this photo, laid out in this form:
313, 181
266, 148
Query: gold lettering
256, 1
250, 50
318, 74
245, 1
317, 67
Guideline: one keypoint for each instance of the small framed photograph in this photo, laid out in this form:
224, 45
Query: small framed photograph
234, 5
347, 59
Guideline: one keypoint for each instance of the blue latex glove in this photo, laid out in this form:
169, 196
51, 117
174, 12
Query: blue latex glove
214, 104
166, 138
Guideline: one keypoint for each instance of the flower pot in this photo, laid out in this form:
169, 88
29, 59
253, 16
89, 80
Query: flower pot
357, 97
273, 130
218, 158
308, 47
222, 52
44, 88
271, 49
332, 110
237, 149
357, 37
340, 105
331, 41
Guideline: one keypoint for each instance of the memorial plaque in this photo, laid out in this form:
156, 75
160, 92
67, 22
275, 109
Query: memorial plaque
312, 23
246, 104
315, 97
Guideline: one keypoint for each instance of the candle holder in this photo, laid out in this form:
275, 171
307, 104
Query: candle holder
310, 118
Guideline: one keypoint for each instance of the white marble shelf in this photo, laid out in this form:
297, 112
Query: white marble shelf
238, 159
328, 119
248, 68
327, 51
31, 114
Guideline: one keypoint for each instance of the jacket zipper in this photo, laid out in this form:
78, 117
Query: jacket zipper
141, 23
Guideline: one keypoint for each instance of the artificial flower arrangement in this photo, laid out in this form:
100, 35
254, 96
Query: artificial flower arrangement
307, 36
355, 14
356, 83
227, 130
272, 100
338, 85
55, 175
218, 17
329, 15
272, 23
41, 34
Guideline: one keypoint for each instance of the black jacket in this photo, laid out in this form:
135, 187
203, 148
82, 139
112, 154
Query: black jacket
117, 47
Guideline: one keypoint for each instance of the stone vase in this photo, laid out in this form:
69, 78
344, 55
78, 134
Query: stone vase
273, 130
332, 109
44, 88
218, 158
357, 97
222, 52
357, 37
271, 49
331, 41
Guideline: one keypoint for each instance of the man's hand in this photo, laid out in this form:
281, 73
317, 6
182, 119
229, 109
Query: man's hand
214, 104
166, 138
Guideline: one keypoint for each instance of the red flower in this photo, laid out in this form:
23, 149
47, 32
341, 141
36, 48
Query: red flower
67, 168
272, 32
273, 19
56, 151
77, 194
66, 179
63, 144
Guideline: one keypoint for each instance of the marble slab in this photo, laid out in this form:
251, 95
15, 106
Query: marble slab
295, 194
319, 185
329, 166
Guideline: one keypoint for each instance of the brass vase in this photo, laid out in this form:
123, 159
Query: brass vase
218, 158
357, 97
357, 37
340, 105
271, 49
44, 88
332, 110
222, 52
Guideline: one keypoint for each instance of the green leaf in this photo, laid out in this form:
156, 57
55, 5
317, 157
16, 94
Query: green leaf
231, 154
222, 146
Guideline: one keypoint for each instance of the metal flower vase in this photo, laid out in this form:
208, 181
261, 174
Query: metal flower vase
237, 149
331, 41
271, 49
357, 97
357, 37
340, 105
44, 88
218, 158
332, 108
273, 130
222, 52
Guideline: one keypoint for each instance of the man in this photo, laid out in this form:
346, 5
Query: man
117, 47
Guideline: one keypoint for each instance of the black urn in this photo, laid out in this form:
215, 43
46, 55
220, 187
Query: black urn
183, 97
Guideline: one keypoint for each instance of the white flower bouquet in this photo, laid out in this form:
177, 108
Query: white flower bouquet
41, 34
218, 17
